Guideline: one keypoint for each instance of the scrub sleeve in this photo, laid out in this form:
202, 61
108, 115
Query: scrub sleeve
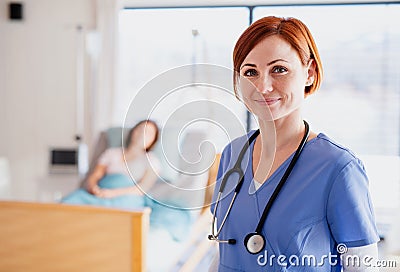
349, 211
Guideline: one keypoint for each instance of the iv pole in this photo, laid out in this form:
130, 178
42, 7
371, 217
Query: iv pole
82, 156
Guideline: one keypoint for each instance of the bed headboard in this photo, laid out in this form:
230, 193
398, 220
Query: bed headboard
54, 237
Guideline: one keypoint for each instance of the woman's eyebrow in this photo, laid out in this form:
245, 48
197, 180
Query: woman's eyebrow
248, 64
268, 64
272, 62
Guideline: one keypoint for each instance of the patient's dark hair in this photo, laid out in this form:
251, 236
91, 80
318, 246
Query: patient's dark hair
129, 136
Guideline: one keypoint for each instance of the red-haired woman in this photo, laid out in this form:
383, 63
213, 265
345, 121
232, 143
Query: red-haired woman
288, 198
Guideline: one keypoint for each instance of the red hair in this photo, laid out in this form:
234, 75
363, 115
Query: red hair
291, 30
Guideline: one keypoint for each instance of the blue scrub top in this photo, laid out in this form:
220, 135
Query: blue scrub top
325, 202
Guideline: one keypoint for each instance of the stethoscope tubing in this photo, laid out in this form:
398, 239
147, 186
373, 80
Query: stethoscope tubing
214, 236
237, 169
283, 179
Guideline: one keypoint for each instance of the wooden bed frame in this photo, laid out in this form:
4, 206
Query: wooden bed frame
66, 238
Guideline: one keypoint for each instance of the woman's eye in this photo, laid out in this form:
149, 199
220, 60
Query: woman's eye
250, 73
279, 69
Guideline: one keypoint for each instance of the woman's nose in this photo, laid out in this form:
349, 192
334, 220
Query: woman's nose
264, 85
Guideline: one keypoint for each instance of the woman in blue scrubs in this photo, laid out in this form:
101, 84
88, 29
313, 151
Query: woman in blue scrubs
323, 211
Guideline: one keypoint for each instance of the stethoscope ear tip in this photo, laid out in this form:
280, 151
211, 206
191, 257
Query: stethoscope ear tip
214, 238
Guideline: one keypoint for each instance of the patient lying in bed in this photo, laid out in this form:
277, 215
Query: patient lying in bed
122, 177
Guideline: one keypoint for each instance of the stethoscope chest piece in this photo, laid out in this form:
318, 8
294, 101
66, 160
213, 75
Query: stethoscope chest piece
254, 242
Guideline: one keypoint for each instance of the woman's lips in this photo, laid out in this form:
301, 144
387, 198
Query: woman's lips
268, 101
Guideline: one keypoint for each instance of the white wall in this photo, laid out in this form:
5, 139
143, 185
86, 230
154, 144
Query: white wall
38, 84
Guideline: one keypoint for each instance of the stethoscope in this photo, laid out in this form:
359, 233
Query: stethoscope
254, 241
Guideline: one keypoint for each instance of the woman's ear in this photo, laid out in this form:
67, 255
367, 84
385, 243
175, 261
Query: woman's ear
310, 72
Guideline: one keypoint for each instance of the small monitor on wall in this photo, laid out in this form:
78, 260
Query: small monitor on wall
63, 160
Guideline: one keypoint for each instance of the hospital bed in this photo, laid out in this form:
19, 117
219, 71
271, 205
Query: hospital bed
58, 237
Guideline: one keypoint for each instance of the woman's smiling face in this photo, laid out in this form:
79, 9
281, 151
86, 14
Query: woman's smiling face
273, 79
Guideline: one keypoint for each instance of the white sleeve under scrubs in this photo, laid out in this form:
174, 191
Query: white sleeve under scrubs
324, 203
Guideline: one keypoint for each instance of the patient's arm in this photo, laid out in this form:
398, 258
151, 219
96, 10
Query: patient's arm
93, 179
148, 181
